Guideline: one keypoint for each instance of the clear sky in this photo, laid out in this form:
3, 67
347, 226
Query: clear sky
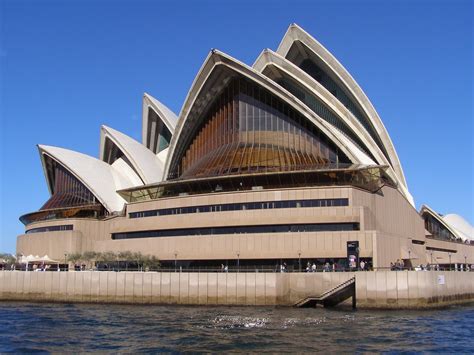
69, 66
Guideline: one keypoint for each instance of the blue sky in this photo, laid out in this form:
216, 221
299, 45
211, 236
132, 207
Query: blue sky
69, 66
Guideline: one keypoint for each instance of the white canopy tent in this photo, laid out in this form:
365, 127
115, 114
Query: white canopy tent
31, 259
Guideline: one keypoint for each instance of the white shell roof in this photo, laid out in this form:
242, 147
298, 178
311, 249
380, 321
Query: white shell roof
460, 225
301, 78
148, 166
217, 58
168, 117
296, 33
305, 81
457, 225
99, 177
103, 180
361, 157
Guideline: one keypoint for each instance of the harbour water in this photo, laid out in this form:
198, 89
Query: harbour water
44, 327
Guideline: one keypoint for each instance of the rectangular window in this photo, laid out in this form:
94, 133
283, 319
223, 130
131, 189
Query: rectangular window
243, 206
67, 227
283, 228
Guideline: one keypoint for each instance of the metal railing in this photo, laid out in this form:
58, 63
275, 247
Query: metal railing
235, 269
337, 288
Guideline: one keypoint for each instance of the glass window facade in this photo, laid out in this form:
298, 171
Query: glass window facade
70, 198
307, 63
159, 136
67, 227
67, 190
248, 130
368, 178
280, 228
112, 152
335, 202
437, 229
96, 211
318, 107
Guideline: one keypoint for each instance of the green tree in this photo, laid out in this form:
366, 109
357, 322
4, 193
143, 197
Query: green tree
138, 258
151, 262
127, 257
74, 258
108, 258
90, 257
7, 259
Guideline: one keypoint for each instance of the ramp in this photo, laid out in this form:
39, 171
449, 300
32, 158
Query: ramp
332, 297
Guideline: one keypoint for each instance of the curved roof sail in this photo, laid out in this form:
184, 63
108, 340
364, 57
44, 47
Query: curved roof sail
313, 94
297, 110
158, 124
116, 145
215, 75
100, 178
450, 225
322, 102
304, 51
460, 225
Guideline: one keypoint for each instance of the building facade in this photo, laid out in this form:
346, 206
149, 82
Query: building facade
283, 162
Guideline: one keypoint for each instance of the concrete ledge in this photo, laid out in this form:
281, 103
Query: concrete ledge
375, 289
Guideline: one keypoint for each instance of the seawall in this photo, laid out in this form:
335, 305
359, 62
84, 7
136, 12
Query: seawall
374, 289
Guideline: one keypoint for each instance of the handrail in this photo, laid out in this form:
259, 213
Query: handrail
334, 289
327, 294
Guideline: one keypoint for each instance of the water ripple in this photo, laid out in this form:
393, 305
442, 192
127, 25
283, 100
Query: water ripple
46, 328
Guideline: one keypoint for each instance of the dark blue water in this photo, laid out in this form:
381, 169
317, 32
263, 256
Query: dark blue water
28, 327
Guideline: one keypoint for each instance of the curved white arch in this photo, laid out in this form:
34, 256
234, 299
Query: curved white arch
162, 156
440, 219
167, 116
218, 60
275, 62
100, 178
458, 223
146, 164
296, 33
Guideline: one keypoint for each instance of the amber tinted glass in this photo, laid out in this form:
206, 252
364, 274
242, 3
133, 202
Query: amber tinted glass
90, 211
68, 191
320, 108
247, 130
317, 72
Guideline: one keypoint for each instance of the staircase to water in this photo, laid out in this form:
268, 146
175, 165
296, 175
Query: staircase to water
332, 297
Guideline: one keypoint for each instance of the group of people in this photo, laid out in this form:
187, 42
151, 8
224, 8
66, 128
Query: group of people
310, 268
283, 267
398, 265
333, 267
427, 267
327, 267
313, 267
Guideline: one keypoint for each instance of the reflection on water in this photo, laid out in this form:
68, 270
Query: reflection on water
78, 327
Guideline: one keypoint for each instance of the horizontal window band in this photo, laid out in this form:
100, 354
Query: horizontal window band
442, 250
333, 202
67, 227
279, 228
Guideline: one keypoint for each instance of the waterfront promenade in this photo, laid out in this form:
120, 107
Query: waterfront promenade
374, 289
